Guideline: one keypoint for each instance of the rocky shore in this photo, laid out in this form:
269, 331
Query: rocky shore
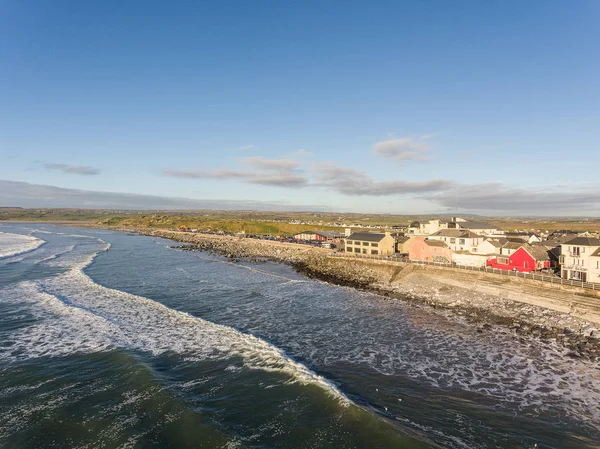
527, 308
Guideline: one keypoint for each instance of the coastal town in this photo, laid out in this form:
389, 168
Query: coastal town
569, 255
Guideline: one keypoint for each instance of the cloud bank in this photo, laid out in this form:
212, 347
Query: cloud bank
261, 171
23, 194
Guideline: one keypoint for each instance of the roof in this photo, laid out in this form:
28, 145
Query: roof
329, 234
513, 245
596, 253
436, 243
538, 252
366, 236
583, 241
463, 233
475, 225
497, 243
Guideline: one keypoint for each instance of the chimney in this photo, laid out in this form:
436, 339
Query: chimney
347, 232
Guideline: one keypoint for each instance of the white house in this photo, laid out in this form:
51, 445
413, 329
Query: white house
429, 228
489, 246
579, 259
457, 239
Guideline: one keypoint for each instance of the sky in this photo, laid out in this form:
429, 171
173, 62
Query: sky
399, 107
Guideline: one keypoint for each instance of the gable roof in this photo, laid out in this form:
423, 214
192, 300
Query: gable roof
366, 236
497, 243
596, 253
462, 233
583, 241
513, 245
537, 252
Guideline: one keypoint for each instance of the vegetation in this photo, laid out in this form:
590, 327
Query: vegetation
272, 222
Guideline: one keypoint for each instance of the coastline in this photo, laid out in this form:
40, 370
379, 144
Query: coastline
481, 299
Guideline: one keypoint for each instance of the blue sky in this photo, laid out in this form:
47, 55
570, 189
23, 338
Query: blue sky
399, 107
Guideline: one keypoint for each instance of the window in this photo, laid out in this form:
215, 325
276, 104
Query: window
365, 243
375, 244
452, 240
357, 250
502, 260
461, 241
582, 249
364, 250
575, 251
374, 251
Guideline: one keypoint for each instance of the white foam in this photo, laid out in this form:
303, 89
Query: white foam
14, 244
79, 315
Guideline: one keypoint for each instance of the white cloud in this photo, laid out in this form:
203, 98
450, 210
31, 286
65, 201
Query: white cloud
301, 154
268, 172
71, 169
400, 150
351, 182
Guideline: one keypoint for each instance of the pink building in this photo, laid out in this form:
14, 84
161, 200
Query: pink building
429, 251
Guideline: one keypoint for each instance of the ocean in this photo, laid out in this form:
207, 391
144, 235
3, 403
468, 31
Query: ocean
110, 340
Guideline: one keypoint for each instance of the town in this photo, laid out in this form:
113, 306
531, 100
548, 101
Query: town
458, 242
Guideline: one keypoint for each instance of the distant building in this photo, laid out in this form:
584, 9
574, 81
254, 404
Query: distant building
371, 243
429, 251
433, 226
478, 227
319, 236
580, 259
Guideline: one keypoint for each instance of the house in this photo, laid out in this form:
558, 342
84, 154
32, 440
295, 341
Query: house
403, 244
457, 239
525, 259
371, 243
478, 227
433, 226
594, 273
319, 236
427, 250
489, 246
578, 259
510, 248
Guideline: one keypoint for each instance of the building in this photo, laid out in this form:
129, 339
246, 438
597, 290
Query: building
371, 243
427, 250
509, 248
319, 236
457, 239
478, 227
579, 259
433, 226
489, 246
525, 259
594, 273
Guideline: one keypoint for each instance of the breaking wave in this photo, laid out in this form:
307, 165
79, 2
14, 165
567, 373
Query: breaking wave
15, 244
75, 314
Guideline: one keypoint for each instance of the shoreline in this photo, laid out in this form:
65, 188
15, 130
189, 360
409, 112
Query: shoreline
528, 309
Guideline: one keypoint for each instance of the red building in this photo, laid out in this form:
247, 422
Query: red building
526, 259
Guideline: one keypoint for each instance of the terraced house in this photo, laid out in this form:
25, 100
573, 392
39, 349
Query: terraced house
580, 259
371, 243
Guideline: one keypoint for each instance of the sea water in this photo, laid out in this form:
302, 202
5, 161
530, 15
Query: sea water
112, 340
